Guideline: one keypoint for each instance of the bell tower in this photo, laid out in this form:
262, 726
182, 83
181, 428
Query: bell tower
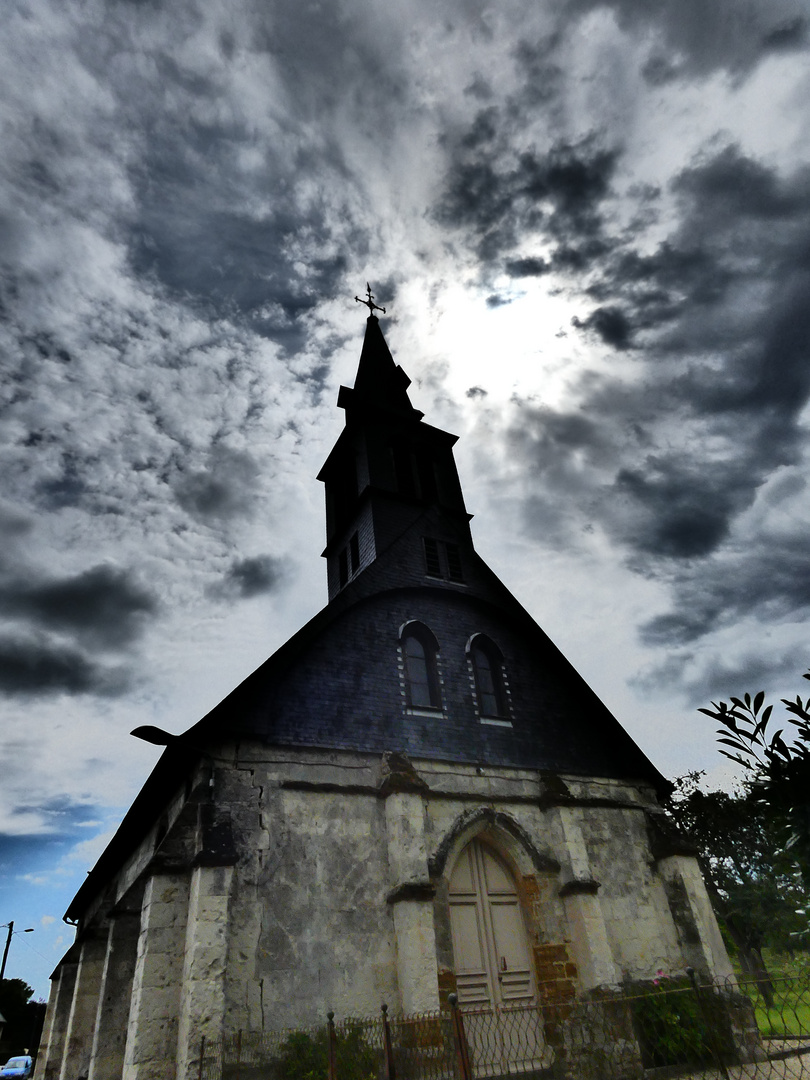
387, 469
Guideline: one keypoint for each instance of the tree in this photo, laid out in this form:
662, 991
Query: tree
778, 772
24, 1018
752, 881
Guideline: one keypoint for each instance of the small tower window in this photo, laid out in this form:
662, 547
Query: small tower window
454, 569
432, 563
443, 559
354, 553
487, 664
420, 651
348, 560
343, 567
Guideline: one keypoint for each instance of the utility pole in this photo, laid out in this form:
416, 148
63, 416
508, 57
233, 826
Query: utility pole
10, 926
5, 951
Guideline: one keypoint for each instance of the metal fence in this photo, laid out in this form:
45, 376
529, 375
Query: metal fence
675, 1027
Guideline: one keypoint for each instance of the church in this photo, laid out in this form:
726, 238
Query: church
415, 795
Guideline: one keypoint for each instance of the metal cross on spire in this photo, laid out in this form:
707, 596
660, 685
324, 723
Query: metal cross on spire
372, 307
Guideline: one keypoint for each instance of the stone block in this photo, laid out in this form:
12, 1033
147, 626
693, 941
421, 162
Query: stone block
549, 972
205, 961
158, 1006
558, 991
551, 953
160, 971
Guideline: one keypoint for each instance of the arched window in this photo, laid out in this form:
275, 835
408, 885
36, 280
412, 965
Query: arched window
487, 664
420, 650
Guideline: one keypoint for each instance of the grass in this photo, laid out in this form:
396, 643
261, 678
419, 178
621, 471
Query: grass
790, 1014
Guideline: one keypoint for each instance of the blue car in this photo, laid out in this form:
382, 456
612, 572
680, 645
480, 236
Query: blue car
19, 1067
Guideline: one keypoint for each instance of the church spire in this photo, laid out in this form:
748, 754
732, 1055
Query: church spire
380, 383
387, 470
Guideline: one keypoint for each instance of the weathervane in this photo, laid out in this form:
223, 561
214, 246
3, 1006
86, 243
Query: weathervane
372, 307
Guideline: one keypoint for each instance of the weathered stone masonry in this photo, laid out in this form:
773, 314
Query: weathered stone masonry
337, 900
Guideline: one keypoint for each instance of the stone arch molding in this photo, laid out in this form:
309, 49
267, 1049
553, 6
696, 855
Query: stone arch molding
420, 630
508, 834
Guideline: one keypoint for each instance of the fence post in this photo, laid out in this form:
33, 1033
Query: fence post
708, 1021
238, 1054
390, 1068
202, 1058
462, 1050
331, 1047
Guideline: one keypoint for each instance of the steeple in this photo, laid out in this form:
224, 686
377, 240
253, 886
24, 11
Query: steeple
380, 383
387, 470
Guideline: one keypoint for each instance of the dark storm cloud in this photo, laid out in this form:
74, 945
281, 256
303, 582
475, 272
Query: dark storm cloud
701, 678
13, 524
791, 34
685, 512
528, 267
501, 197
730, 183
67, 489
251, 216
35, 667
225, 180
772, 581
732, 281
104, 603
226, 489
238, 264
252, 576
656, 283
610, 324
718, 318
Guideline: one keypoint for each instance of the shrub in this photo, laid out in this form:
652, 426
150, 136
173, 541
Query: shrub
305, 1057
669, 1025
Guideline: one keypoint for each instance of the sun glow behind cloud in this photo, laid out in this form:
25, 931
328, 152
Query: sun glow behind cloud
521, 343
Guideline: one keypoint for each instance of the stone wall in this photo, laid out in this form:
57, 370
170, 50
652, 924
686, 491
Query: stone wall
320, 883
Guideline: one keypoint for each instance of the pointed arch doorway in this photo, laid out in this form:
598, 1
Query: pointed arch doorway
493, 969
490, 944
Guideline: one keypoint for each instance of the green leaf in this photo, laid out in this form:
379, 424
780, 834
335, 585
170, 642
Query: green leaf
733, 742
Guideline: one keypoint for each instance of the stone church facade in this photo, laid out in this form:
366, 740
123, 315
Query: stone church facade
416, 794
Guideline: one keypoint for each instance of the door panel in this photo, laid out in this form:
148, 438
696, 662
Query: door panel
470, 947
511, 949
495, 875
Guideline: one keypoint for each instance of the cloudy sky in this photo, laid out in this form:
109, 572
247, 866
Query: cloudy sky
590, 224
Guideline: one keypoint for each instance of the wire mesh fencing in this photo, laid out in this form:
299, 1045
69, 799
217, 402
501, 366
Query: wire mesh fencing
732, 1030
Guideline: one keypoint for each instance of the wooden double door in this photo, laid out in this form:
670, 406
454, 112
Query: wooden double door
490, 944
